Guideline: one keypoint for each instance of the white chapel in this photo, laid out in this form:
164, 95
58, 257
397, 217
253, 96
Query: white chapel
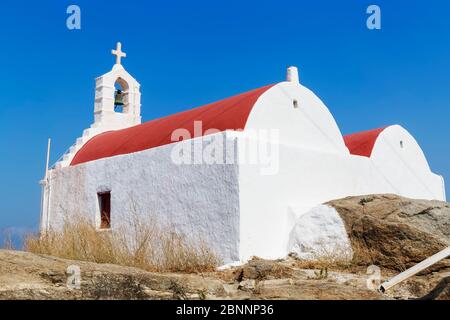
239, 172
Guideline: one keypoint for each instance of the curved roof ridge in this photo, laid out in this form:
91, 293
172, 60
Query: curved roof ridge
362, 143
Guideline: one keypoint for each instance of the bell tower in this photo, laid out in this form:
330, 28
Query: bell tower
117, 105
117, 97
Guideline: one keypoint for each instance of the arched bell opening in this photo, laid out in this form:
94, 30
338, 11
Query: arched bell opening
121, 101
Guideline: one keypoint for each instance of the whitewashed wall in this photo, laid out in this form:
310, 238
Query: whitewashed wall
315, 167
244, 209
199, 200
398, 156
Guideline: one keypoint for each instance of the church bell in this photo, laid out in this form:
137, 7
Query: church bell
118, 98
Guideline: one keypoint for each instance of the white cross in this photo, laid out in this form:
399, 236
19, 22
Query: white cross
118, 53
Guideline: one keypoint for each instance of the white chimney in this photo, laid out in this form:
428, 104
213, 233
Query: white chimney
292, 75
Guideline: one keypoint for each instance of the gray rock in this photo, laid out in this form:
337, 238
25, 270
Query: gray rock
395, 232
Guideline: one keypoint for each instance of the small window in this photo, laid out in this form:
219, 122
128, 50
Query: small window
401, 144
104, 201
295, 103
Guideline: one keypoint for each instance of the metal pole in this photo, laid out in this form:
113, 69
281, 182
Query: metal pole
48, 157
414, 270
44, 184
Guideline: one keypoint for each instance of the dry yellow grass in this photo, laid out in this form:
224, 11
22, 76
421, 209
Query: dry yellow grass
334, 257
148, 246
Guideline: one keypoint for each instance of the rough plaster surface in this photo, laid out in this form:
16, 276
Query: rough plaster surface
320, 232
197, 200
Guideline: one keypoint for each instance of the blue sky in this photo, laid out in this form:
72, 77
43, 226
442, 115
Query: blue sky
188, 53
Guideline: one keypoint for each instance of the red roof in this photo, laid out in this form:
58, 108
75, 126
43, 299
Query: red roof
228, 114
362, 143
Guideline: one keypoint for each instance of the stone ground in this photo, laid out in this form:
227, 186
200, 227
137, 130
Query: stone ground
28, 276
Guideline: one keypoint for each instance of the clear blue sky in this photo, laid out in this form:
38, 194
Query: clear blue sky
188, 53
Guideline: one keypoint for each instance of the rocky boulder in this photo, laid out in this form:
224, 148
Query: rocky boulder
395, 232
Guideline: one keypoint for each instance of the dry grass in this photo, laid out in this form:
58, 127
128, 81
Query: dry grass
325, 264
148, 246
328, 257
